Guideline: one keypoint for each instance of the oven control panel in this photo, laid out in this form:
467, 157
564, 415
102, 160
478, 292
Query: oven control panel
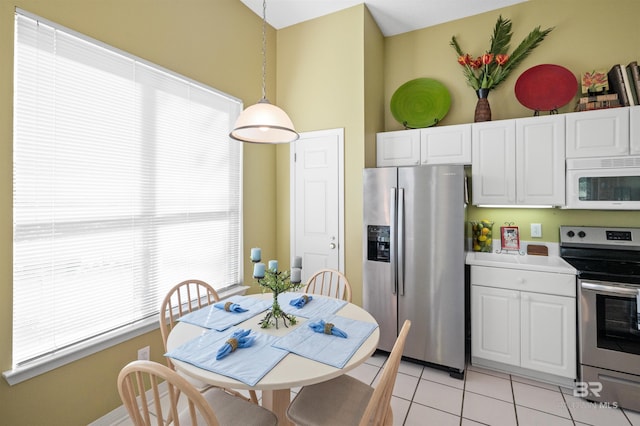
619, 235
577, 236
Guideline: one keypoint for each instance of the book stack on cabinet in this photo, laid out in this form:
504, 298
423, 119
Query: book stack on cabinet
598, 101
625, 81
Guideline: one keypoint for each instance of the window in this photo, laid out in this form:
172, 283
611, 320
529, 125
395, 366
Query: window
125, 183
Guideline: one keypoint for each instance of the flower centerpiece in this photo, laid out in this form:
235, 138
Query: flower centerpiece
269, 278
487, 71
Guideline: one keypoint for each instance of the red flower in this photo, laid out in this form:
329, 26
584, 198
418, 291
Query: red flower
502, 58
464, 60
477, 63
487, 58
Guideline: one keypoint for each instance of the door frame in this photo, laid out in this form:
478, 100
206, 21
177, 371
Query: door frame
339, 133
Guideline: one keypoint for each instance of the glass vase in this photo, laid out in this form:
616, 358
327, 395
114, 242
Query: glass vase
482, 236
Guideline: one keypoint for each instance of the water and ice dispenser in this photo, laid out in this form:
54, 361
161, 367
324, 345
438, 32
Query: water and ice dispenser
378, 243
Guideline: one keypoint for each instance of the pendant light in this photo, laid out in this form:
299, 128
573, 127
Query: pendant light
264, 122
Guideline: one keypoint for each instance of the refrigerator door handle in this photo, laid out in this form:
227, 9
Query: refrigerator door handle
400, 241
394, 240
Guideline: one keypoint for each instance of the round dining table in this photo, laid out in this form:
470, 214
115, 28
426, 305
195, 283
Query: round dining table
291, 372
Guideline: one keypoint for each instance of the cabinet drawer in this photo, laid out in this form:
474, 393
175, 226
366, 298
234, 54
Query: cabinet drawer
523, 280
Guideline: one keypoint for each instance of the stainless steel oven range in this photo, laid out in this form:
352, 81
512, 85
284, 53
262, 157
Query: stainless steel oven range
608, 264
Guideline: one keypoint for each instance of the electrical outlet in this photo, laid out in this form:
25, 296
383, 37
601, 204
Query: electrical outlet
536, 230
144, 353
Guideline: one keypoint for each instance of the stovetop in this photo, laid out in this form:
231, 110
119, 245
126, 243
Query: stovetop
602, 253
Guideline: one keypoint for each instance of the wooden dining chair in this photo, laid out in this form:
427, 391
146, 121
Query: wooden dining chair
329, 282
185, 297
348, 401
142, 386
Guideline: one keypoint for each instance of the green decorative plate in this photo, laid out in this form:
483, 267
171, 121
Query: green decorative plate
422, 102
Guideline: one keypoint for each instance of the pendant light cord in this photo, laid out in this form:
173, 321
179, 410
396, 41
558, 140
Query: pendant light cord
264, 49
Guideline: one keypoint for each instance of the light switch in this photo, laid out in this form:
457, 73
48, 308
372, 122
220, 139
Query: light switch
536, 230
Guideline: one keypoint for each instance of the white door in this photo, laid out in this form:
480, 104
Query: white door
540, 161
400, 148
549, 334
317, 200
598, 133
493, 168
495, 324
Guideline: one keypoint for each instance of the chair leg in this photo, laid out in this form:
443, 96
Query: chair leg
254, 397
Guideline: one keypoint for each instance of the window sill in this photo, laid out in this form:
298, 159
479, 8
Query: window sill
44, 365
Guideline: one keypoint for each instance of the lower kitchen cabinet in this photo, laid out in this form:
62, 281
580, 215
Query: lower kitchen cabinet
548, 333
517, 320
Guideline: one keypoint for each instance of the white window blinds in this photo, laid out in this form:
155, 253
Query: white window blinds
125, 183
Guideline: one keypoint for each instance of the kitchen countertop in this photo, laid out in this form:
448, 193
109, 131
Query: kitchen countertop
518, 261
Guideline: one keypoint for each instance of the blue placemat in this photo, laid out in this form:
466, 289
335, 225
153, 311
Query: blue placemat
318, 307
247, 365
328, 349
219, 319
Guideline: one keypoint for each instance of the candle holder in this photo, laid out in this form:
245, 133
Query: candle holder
278, 282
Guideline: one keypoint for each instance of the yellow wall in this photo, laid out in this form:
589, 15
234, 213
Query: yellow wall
216, 42
582, 40
322, 79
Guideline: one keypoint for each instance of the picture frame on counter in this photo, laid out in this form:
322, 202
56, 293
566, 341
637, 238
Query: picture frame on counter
510, 238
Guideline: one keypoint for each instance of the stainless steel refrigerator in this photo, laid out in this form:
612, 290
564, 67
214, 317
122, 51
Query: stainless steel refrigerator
414, 260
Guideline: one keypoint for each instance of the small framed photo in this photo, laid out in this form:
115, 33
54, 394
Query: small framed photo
510, 237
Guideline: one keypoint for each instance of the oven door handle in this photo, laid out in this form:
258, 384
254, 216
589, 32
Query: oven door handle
620, 291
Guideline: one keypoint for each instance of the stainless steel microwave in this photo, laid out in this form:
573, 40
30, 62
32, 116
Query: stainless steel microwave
603, 183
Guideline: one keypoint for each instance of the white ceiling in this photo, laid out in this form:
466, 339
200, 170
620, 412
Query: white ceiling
392, 16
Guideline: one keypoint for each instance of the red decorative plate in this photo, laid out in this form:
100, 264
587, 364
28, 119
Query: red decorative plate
546, 87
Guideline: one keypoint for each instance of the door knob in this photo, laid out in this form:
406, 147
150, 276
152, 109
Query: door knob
332, 246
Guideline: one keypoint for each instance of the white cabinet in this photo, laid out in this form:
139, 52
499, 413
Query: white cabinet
548, 333
599, 133
519, 162
433, 145
495, 324
634, 130
446, 145
400, 148
524, 319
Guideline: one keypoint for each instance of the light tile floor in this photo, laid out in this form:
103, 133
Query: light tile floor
425, 396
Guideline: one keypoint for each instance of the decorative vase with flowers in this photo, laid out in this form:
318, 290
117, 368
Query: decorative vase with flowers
487, 71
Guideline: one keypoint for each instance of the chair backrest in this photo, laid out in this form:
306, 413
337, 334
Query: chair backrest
378, 411
329, 282
138, 387
183, 298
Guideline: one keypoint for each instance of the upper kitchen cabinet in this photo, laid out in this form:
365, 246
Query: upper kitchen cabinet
519, 162
634, 130
432, 145
599, 133
400, 148
446, 145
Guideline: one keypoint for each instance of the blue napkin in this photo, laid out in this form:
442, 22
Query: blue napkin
320, 308
218, 319
299, 302
239, 339
249, 365
230, 307
327, 328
